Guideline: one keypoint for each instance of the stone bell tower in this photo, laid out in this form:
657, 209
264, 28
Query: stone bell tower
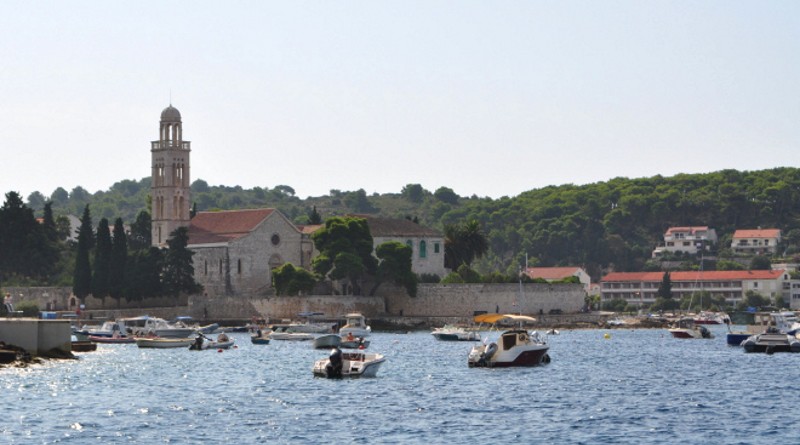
171, 190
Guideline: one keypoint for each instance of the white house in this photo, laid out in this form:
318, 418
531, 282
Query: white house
756, 242
686, 239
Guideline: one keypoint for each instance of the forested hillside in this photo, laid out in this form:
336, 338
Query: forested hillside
602, 226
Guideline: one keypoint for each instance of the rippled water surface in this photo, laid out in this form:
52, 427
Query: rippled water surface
636, 387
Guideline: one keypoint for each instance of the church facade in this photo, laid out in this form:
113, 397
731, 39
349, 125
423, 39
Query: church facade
236, 250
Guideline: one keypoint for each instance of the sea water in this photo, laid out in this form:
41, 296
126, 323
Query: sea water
634, 387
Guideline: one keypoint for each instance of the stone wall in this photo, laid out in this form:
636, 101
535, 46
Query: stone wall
62, 299
459, 300
432, 300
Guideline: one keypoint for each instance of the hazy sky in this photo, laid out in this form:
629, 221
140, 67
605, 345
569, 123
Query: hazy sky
491, 98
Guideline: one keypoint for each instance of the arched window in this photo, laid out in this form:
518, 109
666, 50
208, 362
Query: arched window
423, 249
410, 244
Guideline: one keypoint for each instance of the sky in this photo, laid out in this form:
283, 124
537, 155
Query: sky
488, 98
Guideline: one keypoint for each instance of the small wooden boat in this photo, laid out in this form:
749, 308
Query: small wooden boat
161, 343
83, 346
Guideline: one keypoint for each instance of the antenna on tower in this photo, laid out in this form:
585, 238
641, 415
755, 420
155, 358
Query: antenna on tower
170, 97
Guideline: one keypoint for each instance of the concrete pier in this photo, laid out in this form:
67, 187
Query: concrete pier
36, 336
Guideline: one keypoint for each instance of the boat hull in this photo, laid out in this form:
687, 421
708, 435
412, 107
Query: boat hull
450, 336
353, 365
769, 343
256, 340
163, 343
736, 338
327, 341
84, 346
111, 340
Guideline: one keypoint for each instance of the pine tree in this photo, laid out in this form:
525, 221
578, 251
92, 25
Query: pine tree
119, 257
82, 278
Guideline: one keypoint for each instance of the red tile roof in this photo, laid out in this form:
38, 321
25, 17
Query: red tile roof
757, 233
309, 228
220, 227
388, 227
551, 273
720, 275
687, 229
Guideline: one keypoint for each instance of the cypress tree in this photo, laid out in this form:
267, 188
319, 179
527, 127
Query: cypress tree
102, 261
119, 257
82, 278
178, 267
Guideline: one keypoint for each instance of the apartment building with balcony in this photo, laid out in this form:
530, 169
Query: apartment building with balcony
756, 242
686, 239
642, 287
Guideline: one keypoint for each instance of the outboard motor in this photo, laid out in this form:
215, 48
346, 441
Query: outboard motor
704, 332
334, 367
491, 349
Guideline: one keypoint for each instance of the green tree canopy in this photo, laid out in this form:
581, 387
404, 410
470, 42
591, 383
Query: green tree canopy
345, 251
463, 243
290, 280
395, 267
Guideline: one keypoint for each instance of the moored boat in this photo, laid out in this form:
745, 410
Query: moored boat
454, 333
111, 340
686, 328
348, 364
515, 347
771, 341
356, 324
327, 341
281, 332
259, 339
161, 343
201, 342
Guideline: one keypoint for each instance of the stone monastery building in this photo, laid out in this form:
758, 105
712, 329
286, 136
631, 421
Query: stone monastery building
236, 250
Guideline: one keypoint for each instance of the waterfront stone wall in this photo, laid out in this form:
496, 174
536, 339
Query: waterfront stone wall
62, 299
460, 301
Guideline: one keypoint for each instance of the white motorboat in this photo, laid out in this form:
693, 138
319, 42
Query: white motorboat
356, 324
309, 326
107, 329
686, 328
348, 364
282, 332
327, 341
515, 347
161, 343
454, 333
164, 329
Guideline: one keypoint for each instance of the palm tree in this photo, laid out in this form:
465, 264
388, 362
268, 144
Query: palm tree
463, 243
